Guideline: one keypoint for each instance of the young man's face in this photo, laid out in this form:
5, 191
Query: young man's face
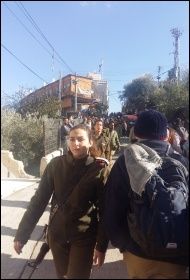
65, 121
98, 127
111, 125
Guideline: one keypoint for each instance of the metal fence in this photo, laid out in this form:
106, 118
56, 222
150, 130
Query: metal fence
51, 135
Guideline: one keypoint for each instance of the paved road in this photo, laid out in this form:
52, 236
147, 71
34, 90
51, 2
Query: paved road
12, 265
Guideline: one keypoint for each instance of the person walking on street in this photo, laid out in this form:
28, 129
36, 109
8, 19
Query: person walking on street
86, 122
114, 140
124, 128
71, 122
64, 133
123, 180
174, 139
132, 137
75, 235
181, 131
101, 143
118, 127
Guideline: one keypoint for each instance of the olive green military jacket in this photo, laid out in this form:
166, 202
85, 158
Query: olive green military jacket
114, 140
80, 216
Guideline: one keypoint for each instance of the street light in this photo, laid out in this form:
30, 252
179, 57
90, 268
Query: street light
75, 83
102, 108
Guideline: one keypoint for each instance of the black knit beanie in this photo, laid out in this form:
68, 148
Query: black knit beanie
151, 124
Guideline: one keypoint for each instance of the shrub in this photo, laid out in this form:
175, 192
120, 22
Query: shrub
22, 136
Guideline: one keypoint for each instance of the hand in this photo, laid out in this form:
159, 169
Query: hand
18, 247
98, 259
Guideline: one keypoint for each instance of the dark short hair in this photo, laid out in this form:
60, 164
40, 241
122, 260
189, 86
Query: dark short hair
98, 120
83, 127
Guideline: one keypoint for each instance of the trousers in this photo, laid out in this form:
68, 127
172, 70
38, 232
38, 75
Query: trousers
112, 153
139, 268
64, 145
73, 260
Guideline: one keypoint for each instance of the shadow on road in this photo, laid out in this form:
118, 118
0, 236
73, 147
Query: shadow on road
111, 270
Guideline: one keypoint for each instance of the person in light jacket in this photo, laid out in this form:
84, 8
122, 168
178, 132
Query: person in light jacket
114, 140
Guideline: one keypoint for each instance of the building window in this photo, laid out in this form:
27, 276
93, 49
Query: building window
66, 85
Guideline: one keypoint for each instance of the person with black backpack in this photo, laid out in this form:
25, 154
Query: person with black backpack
146, 211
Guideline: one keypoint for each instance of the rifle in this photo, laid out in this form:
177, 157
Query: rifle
43, 251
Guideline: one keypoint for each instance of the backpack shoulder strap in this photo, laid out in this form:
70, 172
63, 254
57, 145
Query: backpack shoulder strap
166, 158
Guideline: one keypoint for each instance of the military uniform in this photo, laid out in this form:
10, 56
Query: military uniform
76, 228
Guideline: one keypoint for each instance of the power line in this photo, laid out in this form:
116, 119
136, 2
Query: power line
26, 28
113, 94
32, 22
30, 32
41, 33
161, 74
24, 64
115, 99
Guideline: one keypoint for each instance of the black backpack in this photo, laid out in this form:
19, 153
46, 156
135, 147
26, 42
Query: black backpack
159, 219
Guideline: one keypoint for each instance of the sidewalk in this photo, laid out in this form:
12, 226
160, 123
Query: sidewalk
12, 265
13, 207
11, 184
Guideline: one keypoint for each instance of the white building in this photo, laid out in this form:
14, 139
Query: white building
99, 88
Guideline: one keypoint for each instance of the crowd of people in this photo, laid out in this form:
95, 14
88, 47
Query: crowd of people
106, 135
92, 196
112, 129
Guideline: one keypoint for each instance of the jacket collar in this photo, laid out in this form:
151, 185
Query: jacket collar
79, 162
160, 146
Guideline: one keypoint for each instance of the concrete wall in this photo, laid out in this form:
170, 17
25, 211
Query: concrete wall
16, 167
45, 160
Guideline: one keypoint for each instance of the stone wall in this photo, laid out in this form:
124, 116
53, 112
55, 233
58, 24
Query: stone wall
16, 167
45, 160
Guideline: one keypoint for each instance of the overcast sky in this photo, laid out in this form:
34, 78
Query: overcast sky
41, 38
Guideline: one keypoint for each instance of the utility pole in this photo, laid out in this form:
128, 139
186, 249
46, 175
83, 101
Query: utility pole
101, 68
60, 79
176, 69
158, 77
75, 83
52, 66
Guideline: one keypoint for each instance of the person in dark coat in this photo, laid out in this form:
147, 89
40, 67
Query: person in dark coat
75, 236
151, 130
64, 134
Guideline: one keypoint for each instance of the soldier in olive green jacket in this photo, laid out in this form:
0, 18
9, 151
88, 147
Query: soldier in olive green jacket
75, 235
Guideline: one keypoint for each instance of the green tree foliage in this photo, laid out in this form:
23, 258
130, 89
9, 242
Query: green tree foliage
185, 79
136, 94
22, 136
47, 106
14, 100
99, 109
169, 98
172, 100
